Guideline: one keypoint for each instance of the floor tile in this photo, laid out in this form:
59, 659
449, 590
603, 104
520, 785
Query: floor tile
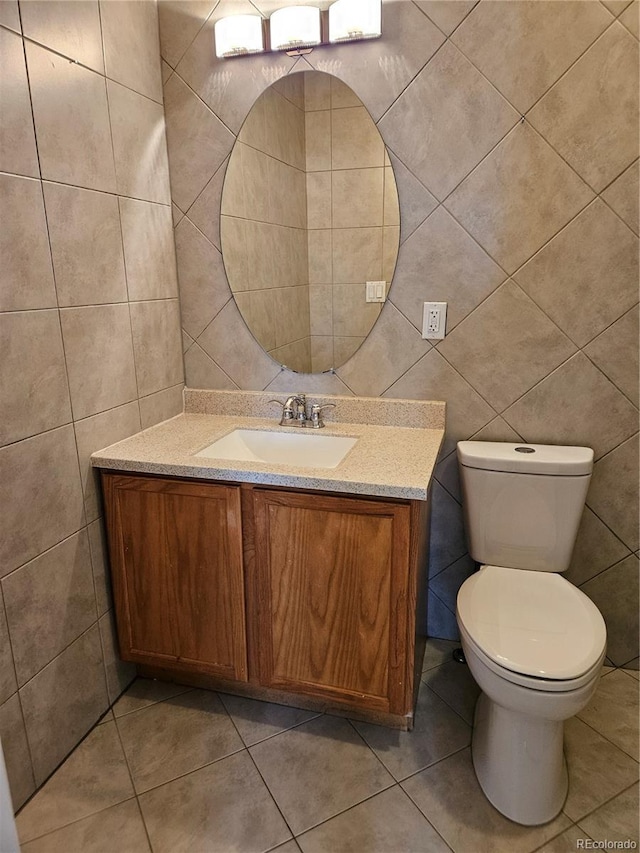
317, 770
94, 777
387, 822
566, 842
438, 652
438, 732
454, 684
174, 737
287, 847
617, 819
598, 770
144, 692
615, 690
257, 721
117, 828
451, 799
221, 808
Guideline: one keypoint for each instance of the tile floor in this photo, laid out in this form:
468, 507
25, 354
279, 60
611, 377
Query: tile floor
171, 769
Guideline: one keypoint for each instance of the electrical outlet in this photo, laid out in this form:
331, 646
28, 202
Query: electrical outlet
434, 320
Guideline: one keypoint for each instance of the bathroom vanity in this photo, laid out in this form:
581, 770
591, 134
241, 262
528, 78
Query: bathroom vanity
295, 584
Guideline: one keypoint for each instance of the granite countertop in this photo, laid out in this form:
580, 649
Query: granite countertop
387, 461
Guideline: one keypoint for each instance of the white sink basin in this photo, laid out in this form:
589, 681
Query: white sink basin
302, 449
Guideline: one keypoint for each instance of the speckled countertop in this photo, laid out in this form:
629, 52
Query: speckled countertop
387, 461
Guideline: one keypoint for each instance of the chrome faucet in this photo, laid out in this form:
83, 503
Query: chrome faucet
294, 412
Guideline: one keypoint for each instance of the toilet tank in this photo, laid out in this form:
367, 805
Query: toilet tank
523, 502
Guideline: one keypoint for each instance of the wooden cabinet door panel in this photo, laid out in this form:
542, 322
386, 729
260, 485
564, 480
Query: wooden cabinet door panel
331, 574
176, 555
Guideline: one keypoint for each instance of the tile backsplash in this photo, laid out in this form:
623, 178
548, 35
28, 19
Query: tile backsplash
512, 129
90, 347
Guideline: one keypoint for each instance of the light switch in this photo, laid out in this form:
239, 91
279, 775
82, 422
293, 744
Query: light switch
375, 291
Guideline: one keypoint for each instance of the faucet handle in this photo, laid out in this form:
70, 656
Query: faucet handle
316, 416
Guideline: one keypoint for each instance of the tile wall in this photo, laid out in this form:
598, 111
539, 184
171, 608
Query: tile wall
89, 346
353, 218
513, 132
263, 224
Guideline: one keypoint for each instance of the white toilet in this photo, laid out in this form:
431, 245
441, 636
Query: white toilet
534, 642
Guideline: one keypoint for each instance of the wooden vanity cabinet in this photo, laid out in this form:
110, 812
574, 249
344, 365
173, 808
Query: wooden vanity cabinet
306, 598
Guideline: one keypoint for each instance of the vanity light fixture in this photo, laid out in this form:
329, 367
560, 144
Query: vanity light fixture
295, 27
298, 29
353, 20
239, 35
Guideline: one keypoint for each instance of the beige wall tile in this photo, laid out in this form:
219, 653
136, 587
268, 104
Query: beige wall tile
587, 276
156, 344
622, 196
205, 211
613, 493
631, 18
391, 205
318, 199
506, 346
230, 96
16, 752
615, 352
317, 91
390, 246
518, 198
441, 263
100, 565
70, 28
355, 140
432, 378
598, 415
317, 131
391, 348
524, 47
161, 406
180, 21
202, 372
353, 316
63, 701
17, 139
197, 140
130, 33
86, 245
342, 96
10, 16
446, 14
24, 247
203, 284
139, 145
8, 683
378, 70
165, 71
344, 348
446, 121
596, 549
357, 255
227, 339
72, 121
322, 357
50, 602
99, 356
616, 6
95, 433
416, 202
591, 115
40, 495
261, 318
320, 310
615, 593
255, 183
149, 249
320, 254
33, 378
357, 197
119, 673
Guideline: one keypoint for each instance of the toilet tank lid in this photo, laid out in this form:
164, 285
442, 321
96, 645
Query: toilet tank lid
526, 458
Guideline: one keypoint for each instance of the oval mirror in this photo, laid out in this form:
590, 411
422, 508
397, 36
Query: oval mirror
309, 216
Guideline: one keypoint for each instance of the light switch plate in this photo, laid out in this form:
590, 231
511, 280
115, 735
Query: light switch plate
434, 320
375, 291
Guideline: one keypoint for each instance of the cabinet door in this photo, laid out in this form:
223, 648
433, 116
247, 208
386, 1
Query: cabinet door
331, 576
176, 558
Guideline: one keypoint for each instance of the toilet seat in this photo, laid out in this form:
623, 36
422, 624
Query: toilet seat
534, 628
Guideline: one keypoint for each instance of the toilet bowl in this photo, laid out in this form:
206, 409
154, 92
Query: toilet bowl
534, 643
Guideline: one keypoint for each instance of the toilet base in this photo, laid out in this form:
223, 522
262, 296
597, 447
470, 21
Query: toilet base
519, 762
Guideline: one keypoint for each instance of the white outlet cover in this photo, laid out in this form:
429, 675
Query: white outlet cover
434, 330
